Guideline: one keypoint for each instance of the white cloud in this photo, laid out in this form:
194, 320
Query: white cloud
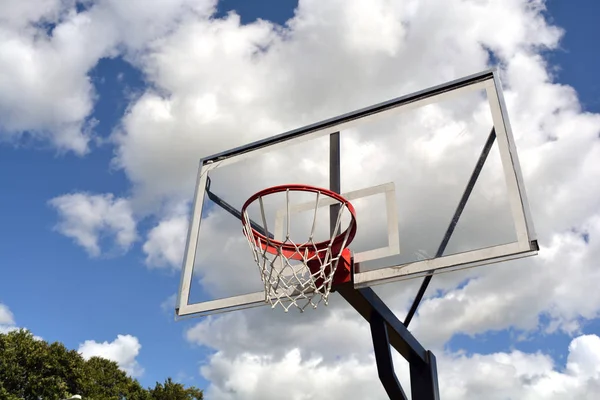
165, 243
138, 22
86, 218
249, 376
584, 357
6, 316
45, 90
524, 376
123, 350
514, 375
21, 13
8, 323
7, 319
327, 335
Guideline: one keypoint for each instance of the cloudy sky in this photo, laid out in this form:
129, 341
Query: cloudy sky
106, 107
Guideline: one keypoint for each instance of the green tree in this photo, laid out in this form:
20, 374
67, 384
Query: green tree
32, 369
104, 380
175, 391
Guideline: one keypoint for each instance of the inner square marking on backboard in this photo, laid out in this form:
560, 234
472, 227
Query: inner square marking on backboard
388, 189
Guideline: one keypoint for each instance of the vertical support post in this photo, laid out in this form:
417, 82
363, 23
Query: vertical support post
335, 179
424, 380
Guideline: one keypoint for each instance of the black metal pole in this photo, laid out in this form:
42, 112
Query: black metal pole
335, 184
423, 369
457, 213
424, 380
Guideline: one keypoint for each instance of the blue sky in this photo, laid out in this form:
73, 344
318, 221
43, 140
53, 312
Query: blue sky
58, 291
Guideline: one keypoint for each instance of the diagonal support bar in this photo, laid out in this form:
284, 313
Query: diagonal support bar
233, 211
461, 205
366, 302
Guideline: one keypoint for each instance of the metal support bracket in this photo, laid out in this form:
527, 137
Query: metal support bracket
387, 330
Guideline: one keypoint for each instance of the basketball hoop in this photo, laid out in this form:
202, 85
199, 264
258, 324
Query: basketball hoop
300, 274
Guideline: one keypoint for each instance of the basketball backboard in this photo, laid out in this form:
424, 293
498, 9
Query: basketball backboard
434, 177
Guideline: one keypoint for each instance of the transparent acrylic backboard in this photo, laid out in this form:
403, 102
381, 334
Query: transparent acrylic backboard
434, 178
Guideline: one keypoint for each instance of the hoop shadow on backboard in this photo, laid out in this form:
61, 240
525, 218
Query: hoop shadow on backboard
436, 183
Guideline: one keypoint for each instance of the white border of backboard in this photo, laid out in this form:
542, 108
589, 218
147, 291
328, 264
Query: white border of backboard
525, 245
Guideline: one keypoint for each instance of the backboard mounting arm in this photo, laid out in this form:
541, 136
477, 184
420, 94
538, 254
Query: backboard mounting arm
387, 330
461, 206
232, 210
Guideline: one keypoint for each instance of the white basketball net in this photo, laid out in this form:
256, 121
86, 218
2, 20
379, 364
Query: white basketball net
287, 278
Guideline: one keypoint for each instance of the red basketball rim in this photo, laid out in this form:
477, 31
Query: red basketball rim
290, 250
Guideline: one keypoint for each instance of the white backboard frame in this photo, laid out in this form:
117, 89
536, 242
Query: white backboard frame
525, 245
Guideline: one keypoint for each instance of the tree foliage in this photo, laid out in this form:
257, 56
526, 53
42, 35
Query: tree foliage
32, 369
174, 391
